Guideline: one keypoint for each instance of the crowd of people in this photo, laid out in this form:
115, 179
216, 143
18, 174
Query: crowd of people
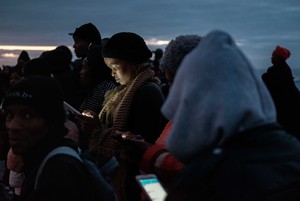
198, 116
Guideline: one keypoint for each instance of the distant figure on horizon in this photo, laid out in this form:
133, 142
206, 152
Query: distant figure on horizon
280, 83
23, 58
158, 54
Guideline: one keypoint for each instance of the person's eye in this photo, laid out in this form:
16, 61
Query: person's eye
114, 66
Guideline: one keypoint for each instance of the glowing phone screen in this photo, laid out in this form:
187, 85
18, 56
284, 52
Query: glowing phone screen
154, 189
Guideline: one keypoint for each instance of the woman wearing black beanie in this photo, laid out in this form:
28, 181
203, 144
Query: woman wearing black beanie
134, 106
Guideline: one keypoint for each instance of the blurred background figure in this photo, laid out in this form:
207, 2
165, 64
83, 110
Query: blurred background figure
15, 75
158, 54
95, 79
23, 59
68, 55
60, 70
280, 83
95, 82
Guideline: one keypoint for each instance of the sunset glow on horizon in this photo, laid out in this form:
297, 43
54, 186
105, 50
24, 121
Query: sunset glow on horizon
154, 41
9, 53
32, 48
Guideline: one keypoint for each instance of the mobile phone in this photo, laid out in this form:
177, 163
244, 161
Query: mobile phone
68, 107
151, 187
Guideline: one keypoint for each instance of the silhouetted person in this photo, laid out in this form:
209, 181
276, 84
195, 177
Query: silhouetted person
61, 71
158, 54
280, 82
23, 58
84, 36
67, 54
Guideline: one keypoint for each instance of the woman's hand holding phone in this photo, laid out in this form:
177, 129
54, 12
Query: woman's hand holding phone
87, 121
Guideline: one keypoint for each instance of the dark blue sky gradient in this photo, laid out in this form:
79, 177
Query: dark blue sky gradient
257, 26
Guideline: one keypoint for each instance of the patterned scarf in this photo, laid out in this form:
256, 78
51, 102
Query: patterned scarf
114, 116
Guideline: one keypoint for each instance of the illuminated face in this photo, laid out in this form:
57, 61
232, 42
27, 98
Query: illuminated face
122, 71
26, 129
80, 47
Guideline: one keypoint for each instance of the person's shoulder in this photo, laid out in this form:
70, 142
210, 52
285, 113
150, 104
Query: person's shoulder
104, 86
109, 84
150, 86
62, 160
150, 89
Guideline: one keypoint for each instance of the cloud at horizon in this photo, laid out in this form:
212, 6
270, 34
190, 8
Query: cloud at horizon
256, 26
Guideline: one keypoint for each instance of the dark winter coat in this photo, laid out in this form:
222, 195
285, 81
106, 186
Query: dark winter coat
259, 164
280, 83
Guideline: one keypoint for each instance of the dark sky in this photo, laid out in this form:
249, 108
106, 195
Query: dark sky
257, 25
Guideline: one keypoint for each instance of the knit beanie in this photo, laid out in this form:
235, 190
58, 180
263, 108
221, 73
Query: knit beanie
42, 94
176, 50
127, 46
282, 52
89, 33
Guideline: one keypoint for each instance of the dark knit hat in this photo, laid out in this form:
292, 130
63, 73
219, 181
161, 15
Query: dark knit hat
282, 52
42, 94
127, 46
89, 33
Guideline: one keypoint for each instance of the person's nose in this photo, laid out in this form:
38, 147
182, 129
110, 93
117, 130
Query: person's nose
113, 73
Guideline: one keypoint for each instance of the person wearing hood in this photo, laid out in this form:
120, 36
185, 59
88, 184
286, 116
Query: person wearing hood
225, 130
